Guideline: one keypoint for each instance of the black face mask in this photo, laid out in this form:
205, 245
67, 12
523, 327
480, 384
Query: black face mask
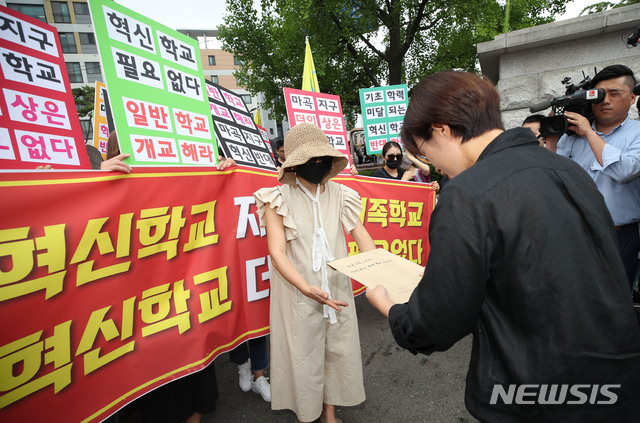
314, 172
394, 164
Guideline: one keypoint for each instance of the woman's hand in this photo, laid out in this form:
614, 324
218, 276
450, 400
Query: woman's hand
224, 163
116, 163
409, 174
316, 293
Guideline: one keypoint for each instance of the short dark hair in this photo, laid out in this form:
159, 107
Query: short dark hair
467, 103
388, 146
532, 119
615, 71
279, 143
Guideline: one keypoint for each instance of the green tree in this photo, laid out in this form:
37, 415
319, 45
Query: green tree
606, 5
365, 43
84, 98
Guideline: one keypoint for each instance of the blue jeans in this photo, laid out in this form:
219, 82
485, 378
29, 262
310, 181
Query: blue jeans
256, 349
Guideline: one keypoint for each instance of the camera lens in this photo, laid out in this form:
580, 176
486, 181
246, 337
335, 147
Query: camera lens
553, 125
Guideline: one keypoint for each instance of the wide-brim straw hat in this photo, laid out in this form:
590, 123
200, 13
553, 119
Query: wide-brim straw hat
304, 142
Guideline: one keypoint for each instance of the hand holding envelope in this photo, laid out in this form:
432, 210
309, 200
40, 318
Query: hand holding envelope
397, 275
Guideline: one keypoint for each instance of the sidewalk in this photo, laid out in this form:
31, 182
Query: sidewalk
400, 387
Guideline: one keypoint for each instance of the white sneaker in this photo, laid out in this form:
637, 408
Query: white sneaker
245, 376
262, 387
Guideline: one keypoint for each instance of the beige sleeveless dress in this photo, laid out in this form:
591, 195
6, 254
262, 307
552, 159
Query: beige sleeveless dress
312, 361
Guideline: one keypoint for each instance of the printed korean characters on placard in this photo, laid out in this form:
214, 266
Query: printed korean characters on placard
267, 141
156, 87
323, 110
38, 121
100, 122
383, 110
238, 135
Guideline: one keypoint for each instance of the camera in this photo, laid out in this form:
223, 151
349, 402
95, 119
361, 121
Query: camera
578, 99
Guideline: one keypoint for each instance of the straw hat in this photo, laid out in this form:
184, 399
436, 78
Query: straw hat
303, 142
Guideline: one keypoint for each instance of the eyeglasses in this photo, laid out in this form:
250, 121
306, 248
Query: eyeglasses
394, 157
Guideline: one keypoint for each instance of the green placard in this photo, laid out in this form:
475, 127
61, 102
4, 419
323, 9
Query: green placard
383, 110
156, 89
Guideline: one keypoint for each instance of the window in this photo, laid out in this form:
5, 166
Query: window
35, 11
87, 128
214, 79
68, 42
237, 61
246, 98
212, 60
73, 69
60, 12
93, 72
88, 42
81, 10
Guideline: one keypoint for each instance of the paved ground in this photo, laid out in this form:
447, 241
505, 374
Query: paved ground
400, 387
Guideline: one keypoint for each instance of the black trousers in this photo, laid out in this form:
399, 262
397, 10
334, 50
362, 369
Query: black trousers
628, 246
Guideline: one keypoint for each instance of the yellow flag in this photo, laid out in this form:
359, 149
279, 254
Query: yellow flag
309, 76
258, 118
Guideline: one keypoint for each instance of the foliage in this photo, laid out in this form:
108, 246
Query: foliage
606, 5
84, 98
364, 43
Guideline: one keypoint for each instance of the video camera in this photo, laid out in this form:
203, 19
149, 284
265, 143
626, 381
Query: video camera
578, 99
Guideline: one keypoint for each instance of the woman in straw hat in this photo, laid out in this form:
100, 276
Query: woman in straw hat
315, 347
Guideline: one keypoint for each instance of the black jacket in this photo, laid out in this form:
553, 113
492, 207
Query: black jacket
524, 256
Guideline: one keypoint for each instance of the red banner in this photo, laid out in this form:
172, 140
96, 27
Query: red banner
114, 284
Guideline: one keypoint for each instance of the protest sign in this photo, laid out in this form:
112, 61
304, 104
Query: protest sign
236, 132
267, 141
160, 271
322, 110
100, 123
39, 124
156, 86
383, 110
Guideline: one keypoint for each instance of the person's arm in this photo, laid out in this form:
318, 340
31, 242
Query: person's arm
277, 242
379, 298
116, 164
418, 163
581, 126
362, 238
446, 304
409, 174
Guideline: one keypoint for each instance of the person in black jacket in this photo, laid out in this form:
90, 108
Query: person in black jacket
523, 256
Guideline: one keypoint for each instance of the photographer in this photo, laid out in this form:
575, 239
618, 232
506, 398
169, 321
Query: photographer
609, 150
